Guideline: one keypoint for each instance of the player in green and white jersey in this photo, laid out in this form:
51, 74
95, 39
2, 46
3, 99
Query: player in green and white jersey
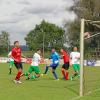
11, 62
75, 62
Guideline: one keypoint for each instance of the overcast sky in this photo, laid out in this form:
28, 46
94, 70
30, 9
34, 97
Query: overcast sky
18, 17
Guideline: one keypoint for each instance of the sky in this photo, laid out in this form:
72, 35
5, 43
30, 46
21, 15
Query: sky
18, 17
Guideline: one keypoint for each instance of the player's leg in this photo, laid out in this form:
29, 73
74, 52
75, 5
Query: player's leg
75, 68
19, 68
46, 69
37, 73
30, 70
67, 74
66, 70
54, 66
78, 70
11, 63
63, 71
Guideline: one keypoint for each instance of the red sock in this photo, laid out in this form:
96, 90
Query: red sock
18, 75
67, 75
63, 72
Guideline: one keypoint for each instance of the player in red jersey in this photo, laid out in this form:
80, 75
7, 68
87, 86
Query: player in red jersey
66, 64
16, 55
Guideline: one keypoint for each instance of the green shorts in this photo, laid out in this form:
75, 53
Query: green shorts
76, 67
35, 69
11, 63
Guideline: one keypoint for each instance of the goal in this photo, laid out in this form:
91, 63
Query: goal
90, 56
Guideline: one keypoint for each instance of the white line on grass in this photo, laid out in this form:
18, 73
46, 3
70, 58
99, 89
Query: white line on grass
90, 92
76, 98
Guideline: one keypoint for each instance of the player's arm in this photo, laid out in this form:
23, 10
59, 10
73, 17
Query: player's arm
70, 63
70, 55
9, 55
79, 55
70, 59
41, 58
13, 58
58, 56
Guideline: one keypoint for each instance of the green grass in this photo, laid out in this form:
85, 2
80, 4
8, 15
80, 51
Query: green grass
46, 88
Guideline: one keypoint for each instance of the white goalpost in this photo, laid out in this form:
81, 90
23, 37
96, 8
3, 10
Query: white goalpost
82, 55
82, 31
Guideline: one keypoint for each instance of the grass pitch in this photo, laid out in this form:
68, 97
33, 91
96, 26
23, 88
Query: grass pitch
46, 88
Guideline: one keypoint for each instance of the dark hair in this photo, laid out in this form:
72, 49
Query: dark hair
38, 49
15, 42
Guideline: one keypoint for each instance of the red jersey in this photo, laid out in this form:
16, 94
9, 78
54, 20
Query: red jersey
16, 54
65, 56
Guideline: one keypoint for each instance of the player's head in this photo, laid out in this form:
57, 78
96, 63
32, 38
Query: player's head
75, 49
61, 50
53, 50
16, 44
38, 51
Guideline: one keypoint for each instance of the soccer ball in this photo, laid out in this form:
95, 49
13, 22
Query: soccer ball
42, 75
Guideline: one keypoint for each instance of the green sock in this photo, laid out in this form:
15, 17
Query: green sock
74, 75
26, 74
33, 77
78, 75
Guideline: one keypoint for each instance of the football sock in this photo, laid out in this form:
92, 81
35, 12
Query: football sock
18, 75
55, 75
67, 75
10, 70
78, 75
63, 72
26, 74
33, 77
46, 69
74, 75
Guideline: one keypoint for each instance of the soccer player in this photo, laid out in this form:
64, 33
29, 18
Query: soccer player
66, 64
16, 55
55, 62
34, 66
75, 57
11, 62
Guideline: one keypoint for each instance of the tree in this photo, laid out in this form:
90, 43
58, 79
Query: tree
88, 9
4, 42
49, 33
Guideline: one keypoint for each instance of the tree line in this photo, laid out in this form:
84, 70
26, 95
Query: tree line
87, 9
47, 35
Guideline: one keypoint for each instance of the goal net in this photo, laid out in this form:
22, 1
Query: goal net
90, 57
